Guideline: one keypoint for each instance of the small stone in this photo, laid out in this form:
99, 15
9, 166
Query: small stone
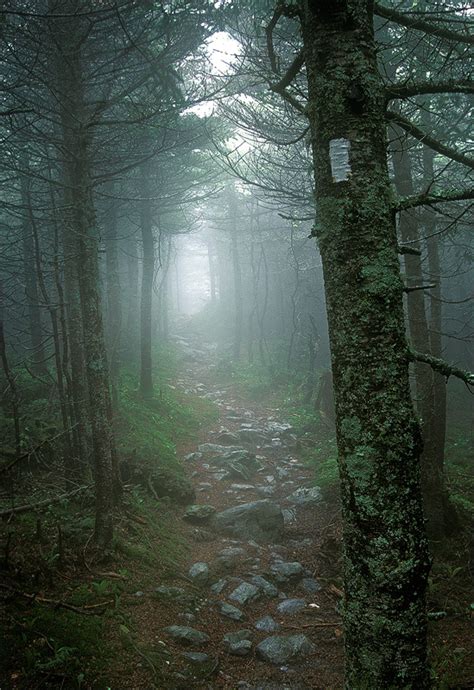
219, 586
139, 594
242, 487
227, 438
196, 657
267, 624
199, 513
244, 593
192, 457
267, 588
186, 635
284, 572
231, 612
238, 643
199, 573
305, 496
285, 648
170, 593
288, 607
310, 585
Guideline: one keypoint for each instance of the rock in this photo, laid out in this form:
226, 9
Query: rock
176, 487
190, 617
219, 586
199, 573
265, 490
310, 585
227, 438
282, 472
267, 624
244, 593
281, 649
231, 612
284, 572
288, 607
289, 515
259, 520
238, 643
186, 635
213, 450
265, 586
305, 496
252, 437
199, 513
193, 457
282, 429
196, 657
242, 487
227, 558
170, 593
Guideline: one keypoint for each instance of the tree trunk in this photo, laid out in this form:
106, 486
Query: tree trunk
379, 443
148, 270
76, 136
131, 329
114, 307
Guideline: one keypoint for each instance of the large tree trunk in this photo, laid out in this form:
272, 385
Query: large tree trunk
148, 270
76, 137
379, 443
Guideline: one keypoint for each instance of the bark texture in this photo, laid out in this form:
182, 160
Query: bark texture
379, 444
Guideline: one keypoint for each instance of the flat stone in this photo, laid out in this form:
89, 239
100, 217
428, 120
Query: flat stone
170, 593
231, 612
288, 607
244, 593
281, 649
265, 490
252, 437
219, 586
199, 513
267, 587
242, 648
227, 438
242, 487
267, 624
186, 635
310, 585
284, 572
214, 449
306, 496
196, 657
258, 520
193, 457
199, 573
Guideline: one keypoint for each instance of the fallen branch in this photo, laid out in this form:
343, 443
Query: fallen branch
41, 504
404, 249
56, 603
442, 367
415, 288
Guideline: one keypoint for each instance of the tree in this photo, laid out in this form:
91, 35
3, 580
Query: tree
378, 436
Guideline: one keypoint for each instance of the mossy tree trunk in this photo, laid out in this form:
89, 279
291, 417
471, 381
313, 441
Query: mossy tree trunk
148, 276
379, 444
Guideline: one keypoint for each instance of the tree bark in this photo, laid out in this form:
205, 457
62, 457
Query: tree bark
148, 271
379, 443
114, 306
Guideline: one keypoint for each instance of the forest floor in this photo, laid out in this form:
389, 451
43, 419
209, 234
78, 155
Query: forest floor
276, 583
300, 599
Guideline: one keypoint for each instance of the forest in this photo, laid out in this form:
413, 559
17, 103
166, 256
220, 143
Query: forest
236, 329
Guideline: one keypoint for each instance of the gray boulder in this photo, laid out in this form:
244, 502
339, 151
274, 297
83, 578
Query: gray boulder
310, 585
288, 607
259, 520
244, 593
238, 643
186, 635
267, 624
267, 588
199, 573
283, 572
232, 612
281, 649
199, 513
305, 496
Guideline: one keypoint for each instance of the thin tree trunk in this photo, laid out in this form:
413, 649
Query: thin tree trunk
148, 273
386, 560
114, 306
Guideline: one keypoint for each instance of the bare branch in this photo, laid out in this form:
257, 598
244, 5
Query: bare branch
427, 198
427, 87
421, 25
429, 141
415, 288
403, 249
442, 367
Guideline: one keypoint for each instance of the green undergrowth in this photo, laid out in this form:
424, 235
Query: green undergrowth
51, 552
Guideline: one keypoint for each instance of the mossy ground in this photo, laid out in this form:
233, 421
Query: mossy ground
51, 553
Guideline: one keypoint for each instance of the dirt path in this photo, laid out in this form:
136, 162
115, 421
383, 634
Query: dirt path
258, 577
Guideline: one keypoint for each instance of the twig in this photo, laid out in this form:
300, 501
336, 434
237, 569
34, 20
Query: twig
56, 603
41, 504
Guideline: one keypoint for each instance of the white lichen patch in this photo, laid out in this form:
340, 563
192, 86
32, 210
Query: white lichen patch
339, 156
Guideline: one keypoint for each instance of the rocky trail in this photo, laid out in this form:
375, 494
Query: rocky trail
255, 607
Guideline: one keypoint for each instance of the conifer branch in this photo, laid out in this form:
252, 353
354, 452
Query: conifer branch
421, 25
442, 367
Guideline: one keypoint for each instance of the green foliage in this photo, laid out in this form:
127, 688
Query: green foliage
58, 646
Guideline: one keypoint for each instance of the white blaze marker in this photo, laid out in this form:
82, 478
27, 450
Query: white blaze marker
339, 157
